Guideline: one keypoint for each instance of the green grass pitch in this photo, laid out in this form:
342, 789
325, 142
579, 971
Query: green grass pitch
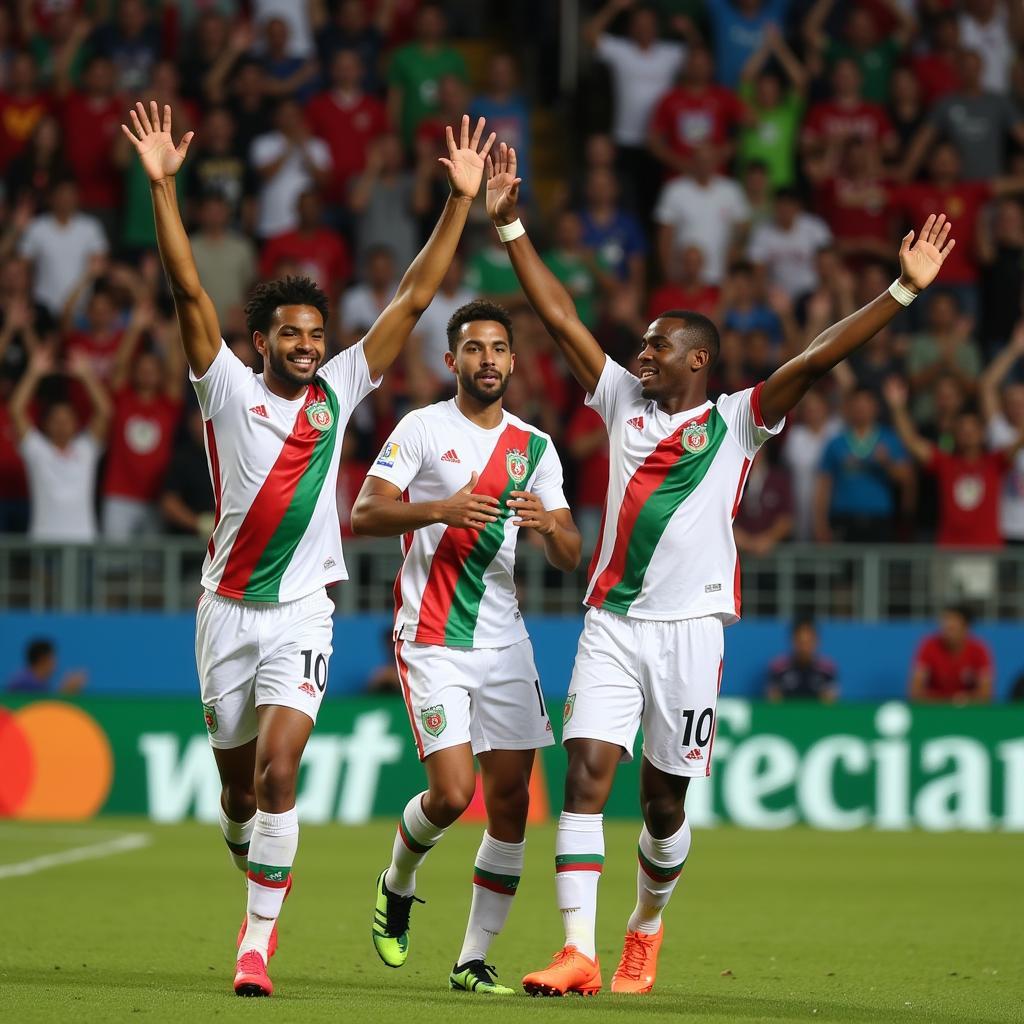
774, 926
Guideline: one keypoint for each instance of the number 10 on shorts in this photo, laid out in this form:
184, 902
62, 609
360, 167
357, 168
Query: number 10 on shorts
698, 729
314, 667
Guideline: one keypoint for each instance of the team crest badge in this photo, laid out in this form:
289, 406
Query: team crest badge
570, 703
695, 437
517, 465
210, 717
434, 720
319, 415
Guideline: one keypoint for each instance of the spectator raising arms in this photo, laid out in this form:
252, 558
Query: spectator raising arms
61, 460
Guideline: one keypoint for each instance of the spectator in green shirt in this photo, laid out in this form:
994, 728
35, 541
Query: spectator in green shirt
416, 71
875, 57
772, 135
489, 274
577, 267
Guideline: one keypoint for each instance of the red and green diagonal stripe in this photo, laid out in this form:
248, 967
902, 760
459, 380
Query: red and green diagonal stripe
270, 875
455, 584
506, 885
412, 844
281, 511
659, 872
579, 862
663, 481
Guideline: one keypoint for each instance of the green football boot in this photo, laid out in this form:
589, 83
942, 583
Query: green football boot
476, 976
391, 924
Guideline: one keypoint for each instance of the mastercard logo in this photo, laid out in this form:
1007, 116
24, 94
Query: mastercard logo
55, 763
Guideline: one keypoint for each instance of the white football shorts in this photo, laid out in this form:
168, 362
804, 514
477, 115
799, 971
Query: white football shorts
663, 676
251, 654
489, 697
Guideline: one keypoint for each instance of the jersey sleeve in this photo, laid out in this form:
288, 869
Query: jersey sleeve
547, 481
402, 455
742, 414
616, 387
225, 375
349, 375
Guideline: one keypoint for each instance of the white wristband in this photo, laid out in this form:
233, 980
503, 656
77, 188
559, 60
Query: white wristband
506, 232
901, 293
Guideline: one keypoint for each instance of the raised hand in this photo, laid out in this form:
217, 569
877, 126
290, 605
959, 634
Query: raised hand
502, 185
531, 512
467, 510
894, 390
465, 162
152, 141
921, 261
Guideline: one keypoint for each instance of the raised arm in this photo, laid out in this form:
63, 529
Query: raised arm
919, 264
596, 26
548, 296
161, 160
78, 367
895, 393
465, 167
40, 364
996, 372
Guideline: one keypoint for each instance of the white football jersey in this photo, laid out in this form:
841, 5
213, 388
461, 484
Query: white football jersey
666, 547
456, 587
274, 467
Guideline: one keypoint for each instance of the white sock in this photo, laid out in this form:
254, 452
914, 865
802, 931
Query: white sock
496, 875
660, 864
237, 834
417, 836
275, 838
579, 860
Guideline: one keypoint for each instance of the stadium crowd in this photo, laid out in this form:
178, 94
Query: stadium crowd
755, 160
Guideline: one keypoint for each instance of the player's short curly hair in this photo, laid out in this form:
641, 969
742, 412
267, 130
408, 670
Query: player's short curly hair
286, 291
702, 330
478, 309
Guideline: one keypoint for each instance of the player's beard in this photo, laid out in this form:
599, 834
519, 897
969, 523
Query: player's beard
283, 369
484, 397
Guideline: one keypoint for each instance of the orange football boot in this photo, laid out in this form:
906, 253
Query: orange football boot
272, 945
251, 978
639, 964
569, 972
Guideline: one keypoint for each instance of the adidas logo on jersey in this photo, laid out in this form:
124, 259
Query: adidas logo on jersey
260, 410
694, 755
450, 456
636, 421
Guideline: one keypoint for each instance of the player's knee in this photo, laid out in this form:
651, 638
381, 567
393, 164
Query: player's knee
586, 786
275, 783
510, 804
452, 798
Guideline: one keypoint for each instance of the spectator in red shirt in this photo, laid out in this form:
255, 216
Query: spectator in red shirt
91, 122
938, 67
321, 254
952, 666
694, 114
684, 286
854, 202
147, 406
847, 116
969, 479
22, 105
348, 120
963, 202
586, 440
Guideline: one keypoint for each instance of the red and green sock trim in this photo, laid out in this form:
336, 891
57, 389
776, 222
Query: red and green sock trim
506, 885
238, 849
659, 872
414, 845
579, 862
271, 876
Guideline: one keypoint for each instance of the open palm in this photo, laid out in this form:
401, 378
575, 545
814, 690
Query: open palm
502, 185
464, 163
921, 262
152, 141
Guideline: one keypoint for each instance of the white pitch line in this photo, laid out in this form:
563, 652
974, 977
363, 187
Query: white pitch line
131, 841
